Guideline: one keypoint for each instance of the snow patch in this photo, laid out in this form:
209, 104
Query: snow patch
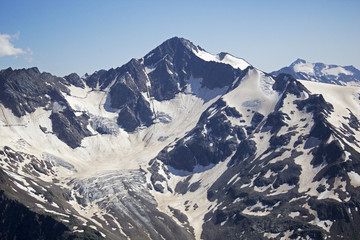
335, 71
237, 63
271, 235
306, 67
287, 235
149, 69
255, 83
259, 209
58, 107
324, 224
294, 214
57, 213
283, 188
354, 179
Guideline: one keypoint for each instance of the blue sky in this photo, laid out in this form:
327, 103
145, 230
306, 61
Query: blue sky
82, 36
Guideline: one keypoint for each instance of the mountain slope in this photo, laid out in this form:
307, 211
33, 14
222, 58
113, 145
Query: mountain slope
183, 144
301, 178
320, 72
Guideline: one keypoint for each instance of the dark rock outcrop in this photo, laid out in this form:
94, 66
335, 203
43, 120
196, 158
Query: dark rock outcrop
19, 222
24, 90
70, 128
75, 80
212, 140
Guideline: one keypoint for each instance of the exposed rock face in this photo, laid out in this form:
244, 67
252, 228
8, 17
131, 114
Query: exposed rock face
69, 128
30, 223
135, 110
176, 62
20, 222
75, 80
275, 121
23, 91
210, 142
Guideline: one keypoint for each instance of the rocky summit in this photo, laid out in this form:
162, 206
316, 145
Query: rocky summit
181, 144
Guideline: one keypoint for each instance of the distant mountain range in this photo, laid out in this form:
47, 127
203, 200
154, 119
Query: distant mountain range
320, 72
181, 144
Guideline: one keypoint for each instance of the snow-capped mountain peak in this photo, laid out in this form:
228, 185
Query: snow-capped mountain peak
180, 144
297, 61
320, 72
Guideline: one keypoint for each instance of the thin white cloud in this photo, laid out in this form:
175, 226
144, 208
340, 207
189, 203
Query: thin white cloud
7, 48
29, 55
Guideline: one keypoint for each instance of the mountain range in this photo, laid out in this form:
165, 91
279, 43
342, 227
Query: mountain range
320, 72
181, 144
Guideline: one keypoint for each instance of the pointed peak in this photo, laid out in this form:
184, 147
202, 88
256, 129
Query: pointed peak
169, 48
86, 75
297, 61
179, 40
33, 70
9, 69
74, 79
174, 42
72, 75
